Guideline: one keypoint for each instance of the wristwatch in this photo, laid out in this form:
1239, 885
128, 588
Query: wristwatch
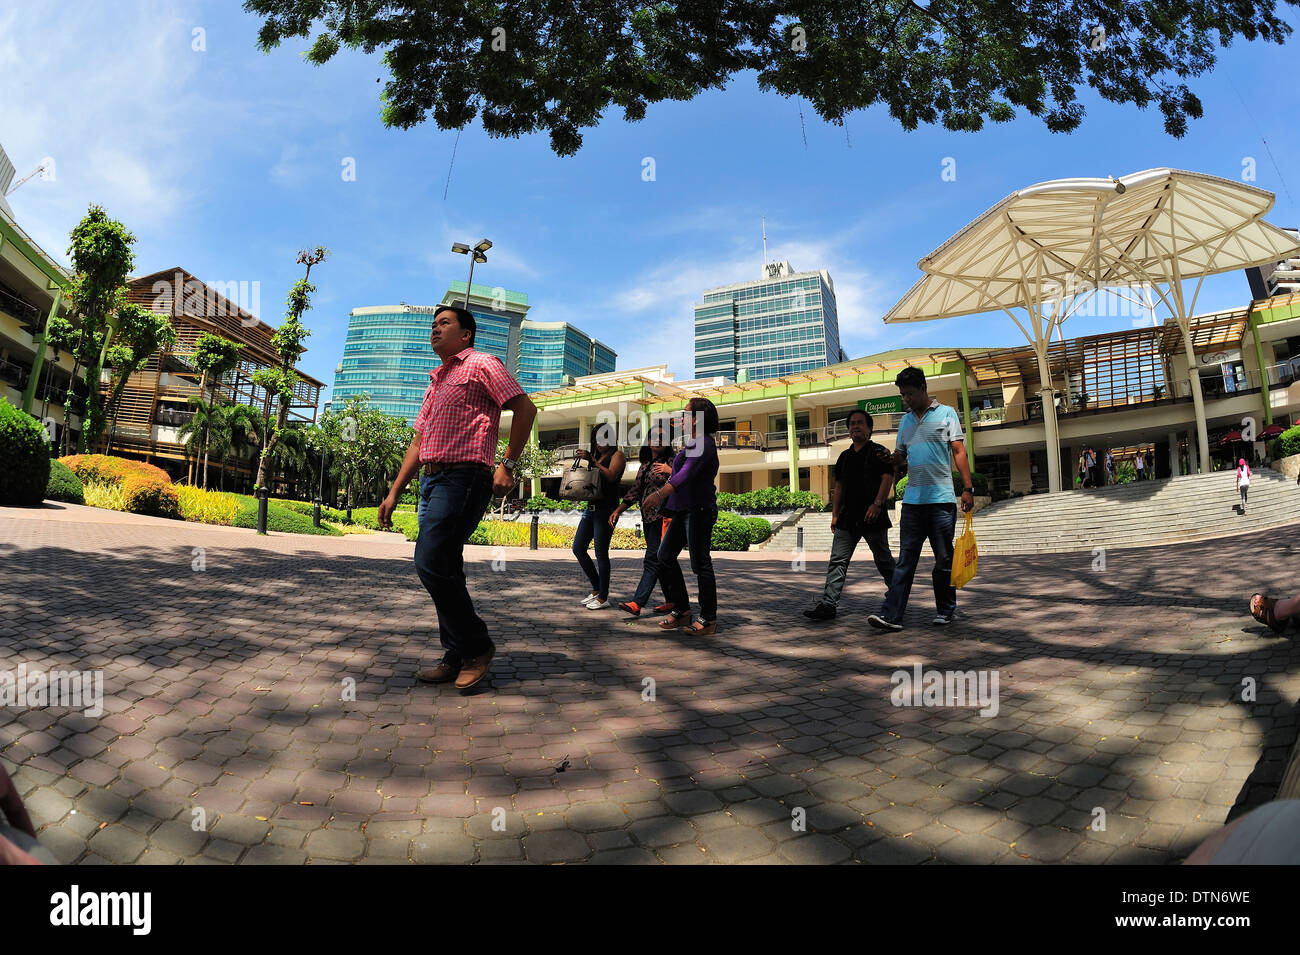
508, 464
968, 490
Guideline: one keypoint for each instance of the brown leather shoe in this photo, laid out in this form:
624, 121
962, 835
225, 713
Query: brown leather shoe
443, 673
474, 669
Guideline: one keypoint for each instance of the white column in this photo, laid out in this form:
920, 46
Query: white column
1202, 437
1173, 453
1049, 422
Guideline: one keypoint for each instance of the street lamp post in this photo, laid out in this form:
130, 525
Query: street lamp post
477, 254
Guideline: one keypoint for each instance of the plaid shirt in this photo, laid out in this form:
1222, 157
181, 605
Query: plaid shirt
460, 417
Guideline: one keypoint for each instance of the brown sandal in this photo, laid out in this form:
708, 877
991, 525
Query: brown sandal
676, 621
1264, 613
702, 629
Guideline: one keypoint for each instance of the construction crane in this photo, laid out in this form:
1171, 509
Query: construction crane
35, 172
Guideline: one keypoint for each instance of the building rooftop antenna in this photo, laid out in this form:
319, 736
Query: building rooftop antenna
764, 220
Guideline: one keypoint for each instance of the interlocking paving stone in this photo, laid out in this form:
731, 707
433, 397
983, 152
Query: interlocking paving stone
222, 692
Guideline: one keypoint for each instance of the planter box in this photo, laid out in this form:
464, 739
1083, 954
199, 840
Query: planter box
1288, 466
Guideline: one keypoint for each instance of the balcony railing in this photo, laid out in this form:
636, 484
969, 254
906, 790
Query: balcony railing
13, 374
172, 419
745, 440
25, 312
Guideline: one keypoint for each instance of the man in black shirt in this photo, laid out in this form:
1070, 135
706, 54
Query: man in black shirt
864, 474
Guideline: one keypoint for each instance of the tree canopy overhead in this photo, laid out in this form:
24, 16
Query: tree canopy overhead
526, 66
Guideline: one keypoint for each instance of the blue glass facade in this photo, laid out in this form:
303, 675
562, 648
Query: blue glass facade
551, 352
768, 328
387, 354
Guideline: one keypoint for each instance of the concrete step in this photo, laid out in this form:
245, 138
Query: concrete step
1193, 507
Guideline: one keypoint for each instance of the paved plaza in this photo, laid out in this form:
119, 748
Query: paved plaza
230, 735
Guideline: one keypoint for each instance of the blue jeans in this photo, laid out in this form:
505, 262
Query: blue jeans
595, 524
650, 565
844, 544
935, 522
451, 504
692, 530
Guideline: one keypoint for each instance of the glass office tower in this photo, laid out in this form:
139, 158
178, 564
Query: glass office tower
552, 354
782, 323
387, 353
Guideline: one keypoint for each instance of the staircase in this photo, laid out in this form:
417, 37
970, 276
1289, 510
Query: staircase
1193, 507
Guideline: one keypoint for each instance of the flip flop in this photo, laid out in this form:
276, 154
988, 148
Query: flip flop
1264, 614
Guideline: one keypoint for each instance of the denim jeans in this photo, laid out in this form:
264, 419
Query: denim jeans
595, 523
694, 531
842, 547
935, 522
451, 504
650, 566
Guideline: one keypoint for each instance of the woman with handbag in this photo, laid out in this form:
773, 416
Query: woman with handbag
609, 463
656, 466
690, 498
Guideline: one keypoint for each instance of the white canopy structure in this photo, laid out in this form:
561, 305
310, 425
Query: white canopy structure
1046, 248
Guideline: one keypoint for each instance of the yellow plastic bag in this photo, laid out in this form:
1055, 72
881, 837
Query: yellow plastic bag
965, 555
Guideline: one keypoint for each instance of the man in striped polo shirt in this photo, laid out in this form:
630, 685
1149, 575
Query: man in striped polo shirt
930, 442
454, 449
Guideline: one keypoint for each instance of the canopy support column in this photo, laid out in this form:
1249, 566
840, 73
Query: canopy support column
1053, 436
1198, 401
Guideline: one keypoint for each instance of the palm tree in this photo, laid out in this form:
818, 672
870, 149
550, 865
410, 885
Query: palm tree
198, 430
290, 455
231, 428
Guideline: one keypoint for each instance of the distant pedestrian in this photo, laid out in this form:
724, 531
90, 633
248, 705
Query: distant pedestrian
692, 501
1139, 462
929, 442
656, 466
864, 475
1090, 468
610, 462
1110, 467
1243, 481
455, 444
1151, 466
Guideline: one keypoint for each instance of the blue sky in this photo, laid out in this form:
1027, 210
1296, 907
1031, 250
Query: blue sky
226, 161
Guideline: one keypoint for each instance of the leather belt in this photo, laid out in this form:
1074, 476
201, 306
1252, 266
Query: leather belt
430, 468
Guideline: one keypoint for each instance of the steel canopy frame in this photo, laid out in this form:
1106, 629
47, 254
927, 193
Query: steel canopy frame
1062, 241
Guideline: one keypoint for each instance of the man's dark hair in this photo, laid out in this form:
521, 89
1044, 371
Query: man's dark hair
849, 417
710, 411
911, 378
464, 317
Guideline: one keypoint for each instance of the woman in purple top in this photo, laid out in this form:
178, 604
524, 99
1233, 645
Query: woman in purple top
691, 500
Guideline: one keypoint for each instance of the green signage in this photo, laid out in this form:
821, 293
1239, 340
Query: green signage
890, 404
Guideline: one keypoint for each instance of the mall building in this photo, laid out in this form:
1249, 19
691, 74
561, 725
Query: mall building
1128, 391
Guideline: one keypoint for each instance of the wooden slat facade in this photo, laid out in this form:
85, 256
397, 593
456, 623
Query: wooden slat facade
156, 394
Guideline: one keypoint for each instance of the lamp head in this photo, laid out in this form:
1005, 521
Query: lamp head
482, 246
460, 247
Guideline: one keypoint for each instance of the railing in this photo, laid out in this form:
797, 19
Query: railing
174, 419
748, 440
23, 311
13, 374
1276, 375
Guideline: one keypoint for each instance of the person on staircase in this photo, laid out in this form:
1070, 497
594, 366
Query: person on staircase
864, 475
1243, 482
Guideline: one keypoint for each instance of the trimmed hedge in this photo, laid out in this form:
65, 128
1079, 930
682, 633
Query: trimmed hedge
771, 499
24, 457
145, 489
278, 518
64, 485
1289, 441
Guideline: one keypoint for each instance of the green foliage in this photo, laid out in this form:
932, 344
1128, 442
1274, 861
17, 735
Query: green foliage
365, 446
215, 356
771, 499
540, 502
143, 488
542, 65
979, 482
1125, 473
64, 485
900, 487
279, 518
1289, 441
480, 535
149, 494
760, 529
730, 532
24, 457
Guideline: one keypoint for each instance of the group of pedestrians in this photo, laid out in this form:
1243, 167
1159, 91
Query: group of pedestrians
1098, 471
929, 443
454, 452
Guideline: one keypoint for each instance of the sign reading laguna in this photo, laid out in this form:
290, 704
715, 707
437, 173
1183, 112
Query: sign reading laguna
36, 688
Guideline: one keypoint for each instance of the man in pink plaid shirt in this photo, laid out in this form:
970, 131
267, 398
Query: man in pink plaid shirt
454, 449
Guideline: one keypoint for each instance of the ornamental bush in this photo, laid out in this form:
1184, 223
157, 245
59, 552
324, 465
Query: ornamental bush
24, 458
730, 532
149, 494
760, 529
64, 485
145, 489
207, 507
1289, 441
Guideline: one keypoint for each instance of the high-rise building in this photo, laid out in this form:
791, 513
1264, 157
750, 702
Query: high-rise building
387, 354
553, 354
1279, 278
784, 322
